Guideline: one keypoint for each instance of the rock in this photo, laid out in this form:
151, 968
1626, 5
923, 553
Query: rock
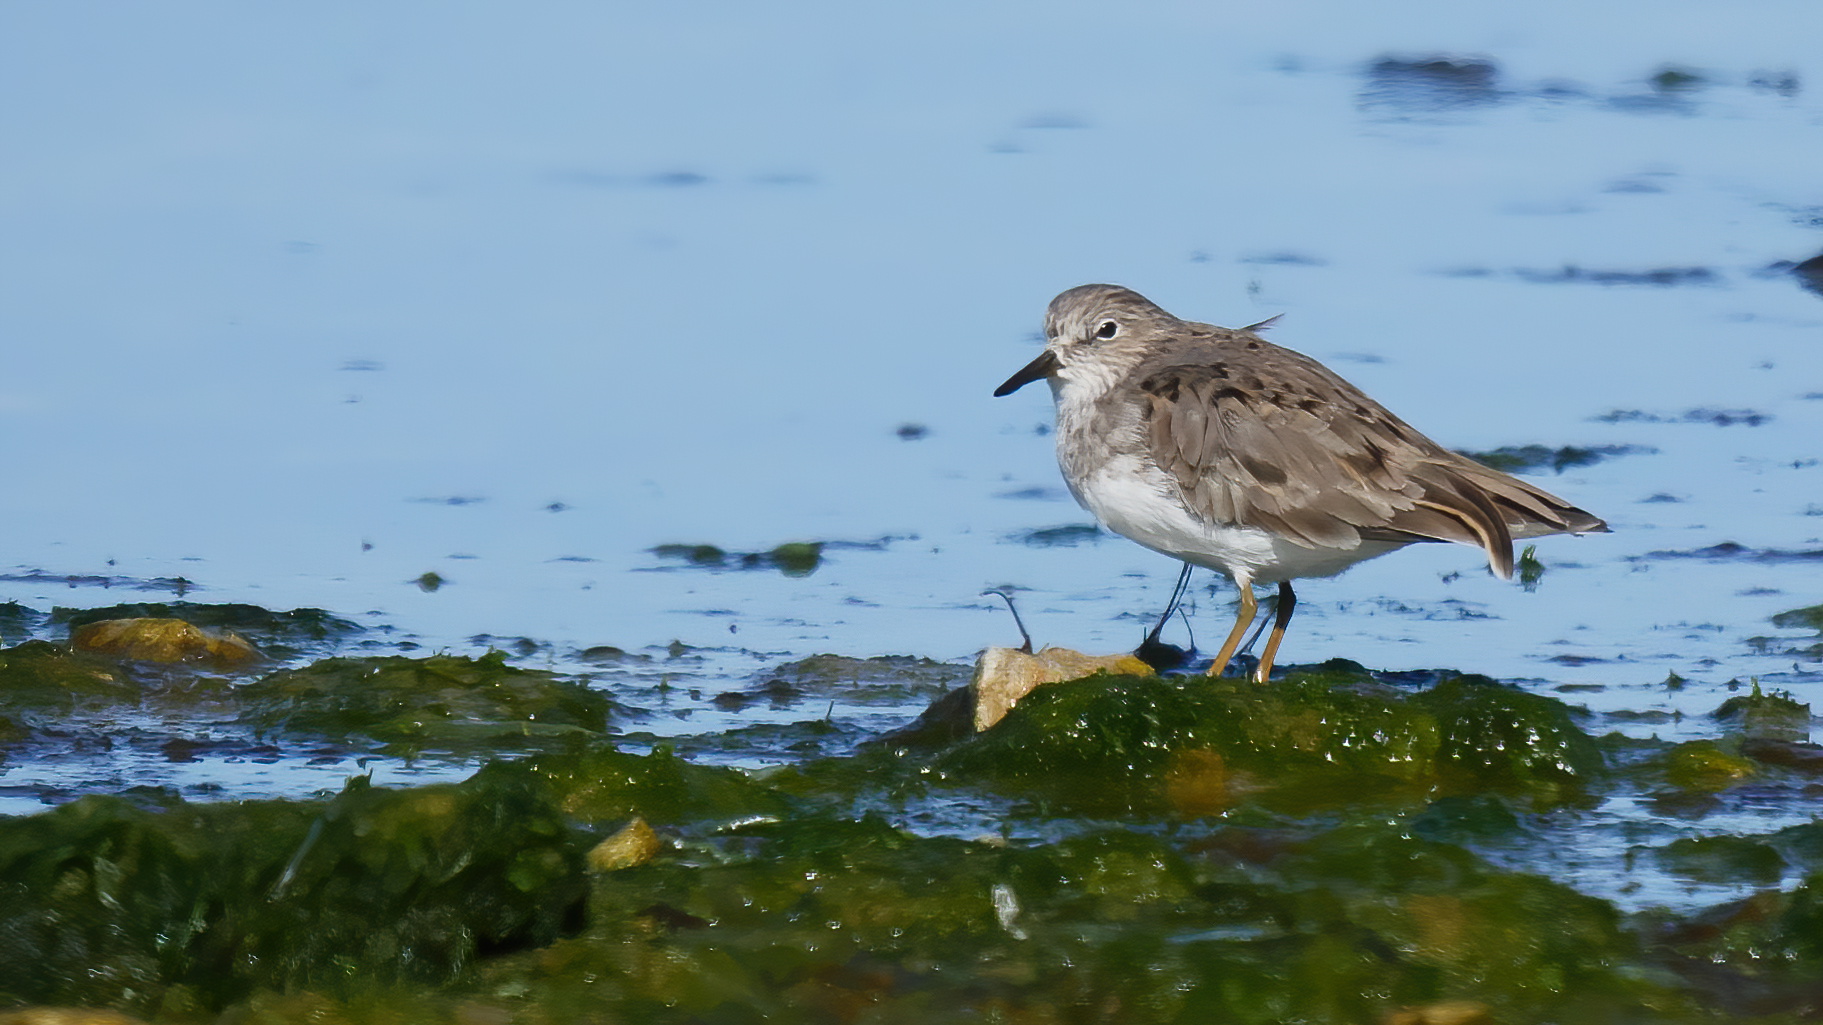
634, 845
1004, 675
164, 640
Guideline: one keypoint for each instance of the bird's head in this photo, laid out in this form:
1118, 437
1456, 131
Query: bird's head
1094, 334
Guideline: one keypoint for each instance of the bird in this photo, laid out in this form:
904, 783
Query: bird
1216, 447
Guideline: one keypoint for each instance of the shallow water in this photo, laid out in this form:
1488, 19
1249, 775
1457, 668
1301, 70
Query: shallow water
300, 308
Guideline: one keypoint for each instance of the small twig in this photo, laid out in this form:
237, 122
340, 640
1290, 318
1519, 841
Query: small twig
1020, 623
1177, 595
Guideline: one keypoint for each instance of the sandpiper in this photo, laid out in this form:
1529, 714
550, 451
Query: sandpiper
1219, 448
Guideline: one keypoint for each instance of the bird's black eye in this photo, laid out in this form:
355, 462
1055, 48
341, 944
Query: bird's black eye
1108, 329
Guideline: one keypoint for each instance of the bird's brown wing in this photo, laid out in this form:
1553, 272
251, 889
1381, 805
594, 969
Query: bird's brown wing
1265, 437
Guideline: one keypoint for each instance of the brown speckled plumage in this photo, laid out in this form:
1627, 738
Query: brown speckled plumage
1246, 436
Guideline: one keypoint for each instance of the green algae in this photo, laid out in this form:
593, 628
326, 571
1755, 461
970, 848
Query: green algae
1722, 859
1706, 766
443, 703
600, 785
696, 555
121, 902
1531, 458
49, 679
1185, 850
47, 688
1775, 715
281, 635
793, 558
1808, 618
1762, 955
889, 679
843, 920
1199, 745
18, 622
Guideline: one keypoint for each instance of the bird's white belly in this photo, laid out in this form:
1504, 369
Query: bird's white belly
1139, 503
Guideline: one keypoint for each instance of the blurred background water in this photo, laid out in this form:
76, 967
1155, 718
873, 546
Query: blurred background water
302, 303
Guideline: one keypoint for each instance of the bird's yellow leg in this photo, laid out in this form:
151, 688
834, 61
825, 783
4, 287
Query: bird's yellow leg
1281, 616
1242, 620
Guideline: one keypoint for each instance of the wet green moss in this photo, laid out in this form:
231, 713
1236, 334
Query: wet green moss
597, 784
42, 675
1776, 714
695, 555
1200, 745
44, 685
796, 558
18, 622
443, 703
793, 558
1530, 458
1704, 766
1808, 618
1759, 956
854, 920
886, 679
1722, 859
117, 902
281, 635
1174, 850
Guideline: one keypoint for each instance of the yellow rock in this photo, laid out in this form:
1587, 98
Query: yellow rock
1004, 675
1443, 1012
65, 1016
635, 844
164, 640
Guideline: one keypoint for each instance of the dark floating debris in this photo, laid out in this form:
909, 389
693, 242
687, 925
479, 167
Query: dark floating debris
1055, 120
1784, 83
793, 558
1434, 84
1718, 417
912, 432
1674, 79
1285, 260
1735, 550
677, 179
1809, 273
1060, 537
1527, 458
1034, 494
1661, 277
177, 585
1807, 618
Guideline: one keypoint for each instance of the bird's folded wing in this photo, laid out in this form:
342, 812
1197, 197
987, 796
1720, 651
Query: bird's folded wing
1275, 441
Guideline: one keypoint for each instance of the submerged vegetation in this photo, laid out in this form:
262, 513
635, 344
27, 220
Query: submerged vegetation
1330, 848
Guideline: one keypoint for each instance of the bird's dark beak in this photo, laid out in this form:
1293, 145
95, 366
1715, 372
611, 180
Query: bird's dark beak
1044, 366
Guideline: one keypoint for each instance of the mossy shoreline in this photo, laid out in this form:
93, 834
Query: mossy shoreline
1178, 850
